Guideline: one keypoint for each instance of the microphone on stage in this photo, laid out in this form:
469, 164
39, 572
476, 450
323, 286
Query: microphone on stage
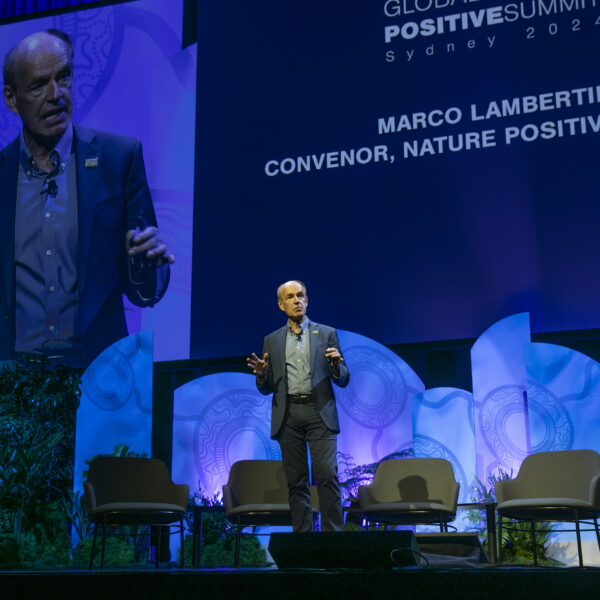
50, 187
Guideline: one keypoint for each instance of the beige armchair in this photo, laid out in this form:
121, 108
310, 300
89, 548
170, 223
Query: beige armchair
408, 491
553, 486
256, 494
133, 491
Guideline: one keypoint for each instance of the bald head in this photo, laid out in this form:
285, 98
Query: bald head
283, 286
29, 47
38, 86
292, 300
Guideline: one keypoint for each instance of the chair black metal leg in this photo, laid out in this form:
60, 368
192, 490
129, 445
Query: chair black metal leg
500, 544
94, 546
578, 533
199, 562
533, 544
238, 540
157, 547
103, 545
597, 532
181, 543
490, 517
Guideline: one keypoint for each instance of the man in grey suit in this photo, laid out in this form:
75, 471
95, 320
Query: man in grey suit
298, 364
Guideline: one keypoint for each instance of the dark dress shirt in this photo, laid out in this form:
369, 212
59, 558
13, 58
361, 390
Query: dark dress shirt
46, 234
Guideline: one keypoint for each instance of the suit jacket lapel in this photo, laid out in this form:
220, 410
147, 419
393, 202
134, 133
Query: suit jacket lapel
9, 168
313, 338
88, 168
280, 346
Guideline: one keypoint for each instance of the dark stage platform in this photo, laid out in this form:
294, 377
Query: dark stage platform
405, 582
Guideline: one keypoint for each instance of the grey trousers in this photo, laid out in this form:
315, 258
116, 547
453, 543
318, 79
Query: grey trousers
303, 426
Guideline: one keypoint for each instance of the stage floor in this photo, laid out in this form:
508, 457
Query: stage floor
485, 582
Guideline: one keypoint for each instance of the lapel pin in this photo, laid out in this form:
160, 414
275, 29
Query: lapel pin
91, 163
315, 332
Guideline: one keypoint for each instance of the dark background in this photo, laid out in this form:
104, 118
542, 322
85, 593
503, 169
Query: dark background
431, 248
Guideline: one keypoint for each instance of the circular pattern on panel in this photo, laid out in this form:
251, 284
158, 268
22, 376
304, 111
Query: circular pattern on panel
425, 446
98, 38
109, 381
377, 392
498, 409
553, 427
231, 422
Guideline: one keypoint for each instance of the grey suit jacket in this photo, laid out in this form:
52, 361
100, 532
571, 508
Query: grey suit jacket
112, 191
321, 337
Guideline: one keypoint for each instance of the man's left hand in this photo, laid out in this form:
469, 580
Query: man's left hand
149, 241
333, 356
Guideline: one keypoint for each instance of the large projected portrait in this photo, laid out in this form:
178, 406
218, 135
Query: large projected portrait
94, 228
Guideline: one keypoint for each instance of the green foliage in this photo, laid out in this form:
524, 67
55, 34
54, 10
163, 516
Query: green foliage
38, 401
41, 552
214, 524
119, 552
218, 537
516, 542
9, 551
75, 513
484, 493
24, 480
220, 551
516, 535
37, 433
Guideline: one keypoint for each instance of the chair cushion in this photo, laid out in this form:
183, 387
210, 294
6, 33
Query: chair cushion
137, 512
406, 506
408, 512
261, 514
541, 502
546, 509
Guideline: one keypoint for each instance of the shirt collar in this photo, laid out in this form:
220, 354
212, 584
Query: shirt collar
62, 148
303, 326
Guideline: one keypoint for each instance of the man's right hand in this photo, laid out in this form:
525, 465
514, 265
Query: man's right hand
148, 241
258, 365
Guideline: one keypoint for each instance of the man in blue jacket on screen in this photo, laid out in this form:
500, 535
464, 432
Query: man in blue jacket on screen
78, 227
298, 364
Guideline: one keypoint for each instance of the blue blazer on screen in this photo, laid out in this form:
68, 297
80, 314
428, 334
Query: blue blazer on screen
321, 337
112, 191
